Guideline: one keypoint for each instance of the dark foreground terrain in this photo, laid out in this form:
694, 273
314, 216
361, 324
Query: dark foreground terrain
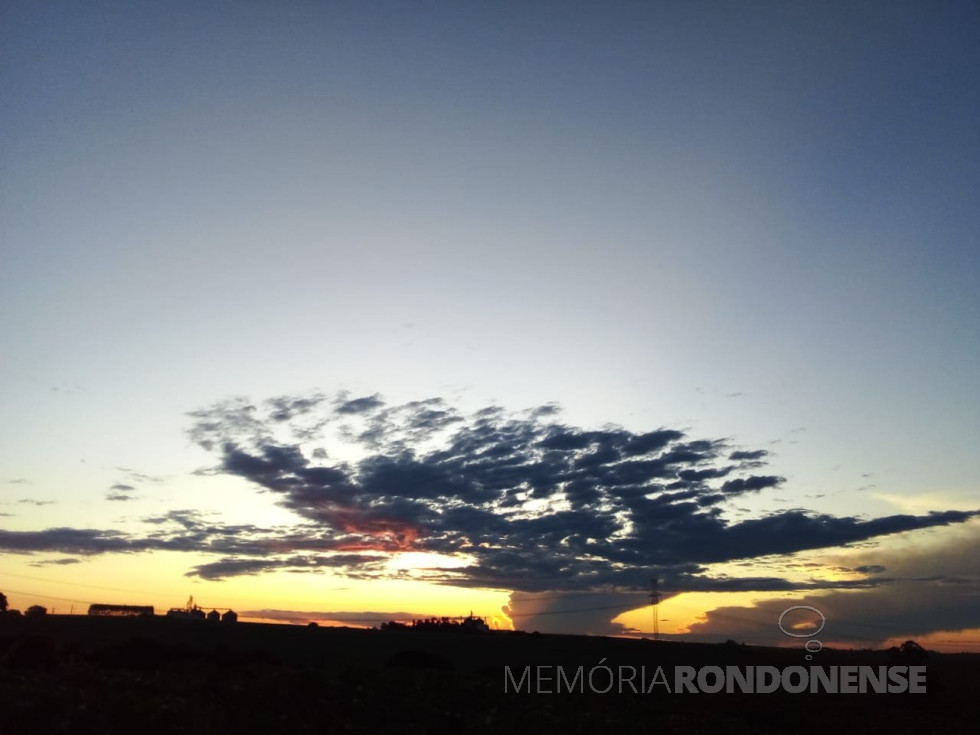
62, 674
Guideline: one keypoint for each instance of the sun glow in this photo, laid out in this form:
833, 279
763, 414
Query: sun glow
422, 560
677, 614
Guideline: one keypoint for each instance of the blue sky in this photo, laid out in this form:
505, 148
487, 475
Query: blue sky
753, 223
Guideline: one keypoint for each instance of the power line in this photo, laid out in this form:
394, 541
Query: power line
655, 598
76, 584
156, 594
564, 612
563, 595
50, 597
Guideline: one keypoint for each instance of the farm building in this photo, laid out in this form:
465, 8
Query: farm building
120, 610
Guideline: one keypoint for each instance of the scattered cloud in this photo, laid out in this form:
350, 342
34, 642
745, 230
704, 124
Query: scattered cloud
748, 455
536, 504
526, 502
64, 561
235, 566
357, 405
135, 476
121, 492
65, 540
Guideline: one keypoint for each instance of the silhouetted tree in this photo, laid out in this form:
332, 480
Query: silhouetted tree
909, 652
36, 611
913, 652
3, 603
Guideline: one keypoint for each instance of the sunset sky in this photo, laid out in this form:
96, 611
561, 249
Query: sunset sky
348, 311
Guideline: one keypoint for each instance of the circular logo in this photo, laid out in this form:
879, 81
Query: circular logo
823, 621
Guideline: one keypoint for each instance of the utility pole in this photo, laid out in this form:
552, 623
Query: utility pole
655, 602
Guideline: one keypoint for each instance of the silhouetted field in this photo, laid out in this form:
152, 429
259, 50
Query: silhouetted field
63, 674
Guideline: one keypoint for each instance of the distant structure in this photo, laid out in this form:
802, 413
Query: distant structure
909, 652
655, 602
120, 610
474, 624
469, 624
190, 611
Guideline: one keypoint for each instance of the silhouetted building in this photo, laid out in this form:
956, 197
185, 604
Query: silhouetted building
229, 617
182, 614
214, 616
190, 611
469, 624
474, 624
120, 610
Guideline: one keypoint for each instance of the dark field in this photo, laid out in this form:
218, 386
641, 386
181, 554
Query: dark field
64, 674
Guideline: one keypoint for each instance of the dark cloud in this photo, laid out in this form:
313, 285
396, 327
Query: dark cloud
795, 530
359, 405
399, 429
235, 566
537, 504
121, 492
748, 455
56, 562
936, 588
286, 408
751, 484
65, 540
231, 567
31, 501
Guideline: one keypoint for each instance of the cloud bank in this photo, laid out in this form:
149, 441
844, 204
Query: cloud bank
533, 503
530, 504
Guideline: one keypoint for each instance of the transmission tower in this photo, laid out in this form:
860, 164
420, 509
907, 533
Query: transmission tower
655, 603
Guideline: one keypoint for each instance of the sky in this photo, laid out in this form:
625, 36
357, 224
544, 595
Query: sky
348, 311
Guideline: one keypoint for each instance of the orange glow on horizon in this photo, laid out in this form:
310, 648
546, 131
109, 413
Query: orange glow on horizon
960, 641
